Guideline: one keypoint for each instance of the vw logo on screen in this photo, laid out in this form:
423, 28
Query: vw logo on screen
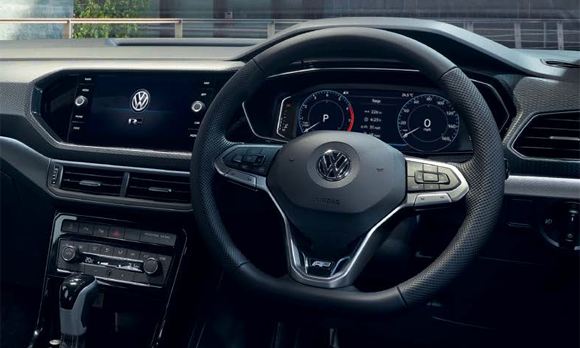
333, 165
140, 100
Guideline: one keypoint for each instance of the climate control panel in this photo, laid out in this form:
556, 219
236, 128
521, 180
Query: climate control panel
114, 263
115, 251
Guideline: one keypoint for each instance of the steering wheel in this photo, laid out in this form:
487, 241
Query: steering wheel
338, 192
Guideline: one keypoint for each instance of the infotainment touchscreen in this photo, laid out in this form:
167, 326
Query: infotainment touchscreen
159, 111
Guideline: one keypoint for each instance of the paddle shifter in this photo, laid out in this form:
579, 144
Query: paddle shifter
77, 293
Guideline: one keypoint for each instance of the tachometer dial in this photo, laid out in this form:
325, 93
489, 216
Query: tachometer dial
428, 122
325, 110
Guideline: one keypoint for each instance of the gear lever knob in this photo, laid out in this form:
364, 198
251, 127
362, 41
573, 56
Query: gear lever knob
77, 293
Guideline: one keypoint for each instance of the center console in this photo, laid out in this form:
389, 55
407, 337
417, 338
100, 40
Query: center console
135, 266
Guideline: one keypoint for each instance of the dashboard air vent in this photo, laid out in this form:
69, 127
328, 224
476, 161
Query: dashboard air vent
159, 187
92, 180
551, 136
563, 64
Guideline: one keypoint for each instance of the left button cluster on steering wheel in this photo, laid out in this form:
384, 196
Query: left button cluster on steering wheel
251, 159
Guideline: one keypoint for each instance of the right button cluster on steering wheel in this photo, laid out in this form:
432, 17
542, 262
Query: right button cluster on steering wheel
423, 177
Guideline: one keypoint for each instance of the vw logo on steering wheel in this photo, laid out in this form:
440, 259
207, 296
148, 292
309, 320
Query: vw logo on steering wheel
333, 165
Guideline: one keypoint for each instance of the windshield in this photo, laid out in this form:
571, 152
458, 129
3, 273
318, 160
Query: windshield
531, 24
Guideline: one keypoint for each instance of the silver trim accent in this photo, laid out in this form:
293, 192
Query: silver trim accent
103, 279
521, 129
538, 186
254, 131
555, 137
346, 275
309, 70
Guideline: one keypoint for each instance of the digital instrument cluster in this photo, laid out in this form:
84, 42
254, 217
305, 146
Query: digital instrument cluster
410, 120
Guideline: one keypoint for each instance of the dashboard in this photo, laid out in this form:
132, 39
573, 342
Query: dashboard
79, 135
163, 111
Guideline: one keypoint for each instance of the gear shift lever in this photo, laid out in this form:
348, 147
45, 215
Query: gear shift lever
77, 293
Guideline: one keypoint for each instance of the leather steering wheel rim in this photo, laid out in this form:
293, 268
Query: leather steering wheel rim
484, 172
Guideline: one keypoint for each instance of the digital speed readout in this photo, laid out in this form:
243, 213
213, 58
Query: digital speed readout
418, 121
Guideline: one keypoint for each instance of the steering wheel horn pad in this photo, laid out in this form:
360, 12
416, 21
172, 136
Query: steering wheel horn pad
374, 191
340, 211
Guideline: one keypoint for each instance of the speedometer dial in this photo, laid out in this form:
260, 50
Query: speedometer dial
428, 122
325, 110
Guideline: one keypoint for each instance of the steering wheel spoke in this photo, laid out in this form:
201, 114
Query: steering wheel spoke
337, 271
433, 184
247, 164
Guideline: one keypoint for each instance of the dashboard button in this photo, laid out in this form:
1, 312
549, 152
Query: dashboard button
431, 187
120, 252
453, 180
238, 158
107, 250
94, 248
133, 254
413, 167
243, 178
69, 226
206, 94
82, 247
86, 89
430, 177
116, 232
151, 266
429, 168
81, 101
86, 229
94, 270
158, 238
69, 266
119, 274
256, 150
140, 278
431, 198
443, 178
69, 253
132, 234
167, 239
198, 106
165, 262
413, 186
101, 231
249, 159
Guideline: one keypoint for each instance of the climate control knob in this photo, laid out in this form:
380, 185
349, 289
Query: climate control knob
81, 100
69, 253
151, 266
